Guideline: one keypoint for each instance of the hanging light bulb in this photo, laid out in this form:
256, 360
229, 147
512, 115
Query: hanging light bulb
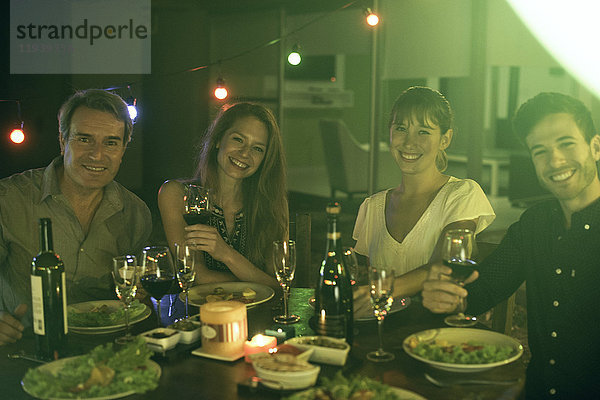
294, 57
372, 18
17, 135
221, 91
132, 108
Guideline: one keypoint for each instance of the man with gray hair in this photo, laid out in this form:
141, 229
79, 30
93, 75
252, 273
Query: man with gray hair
94, 218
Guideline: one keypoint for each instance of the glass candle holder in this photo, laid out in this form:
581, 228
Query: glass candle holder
224, 328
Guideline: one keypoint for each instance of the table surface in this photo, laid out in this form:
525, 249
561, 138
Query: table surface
190, 376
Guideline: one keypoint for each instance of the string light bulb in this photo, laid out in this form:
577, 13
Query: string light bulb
294, 58
371, 17
132, 108
17, 135
221, 91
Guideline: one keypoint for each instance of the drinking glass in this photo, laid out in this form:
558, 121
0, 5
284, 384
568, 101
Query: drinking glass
125, 276
157, 275
185, 262
351, 264
196, 204
457, 253
284, 257
381, 281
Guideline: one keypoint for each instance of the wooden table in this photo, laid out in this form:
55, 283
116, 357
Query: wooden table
188, 376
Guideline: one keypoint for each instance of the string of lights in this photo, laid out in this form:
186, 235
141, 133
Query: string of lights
220, 92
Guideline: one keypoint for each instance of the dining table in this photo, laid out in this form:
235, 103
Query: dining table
185, 375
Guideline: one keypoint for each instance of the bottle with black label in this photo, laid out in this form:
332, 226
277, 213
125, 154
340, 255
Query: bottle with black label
48, 298
333, 297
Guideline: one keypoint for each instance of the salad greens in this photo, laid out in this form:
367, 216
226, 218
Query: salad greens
86, 377
464, 353
103, 315
342, 388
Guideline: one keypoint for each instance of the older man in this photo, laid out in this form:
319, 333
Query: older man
554, 247
94, 218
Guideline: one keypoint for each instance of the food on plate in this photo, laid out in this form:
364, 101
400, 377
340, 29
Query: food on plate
460, 353
103, 315
100, 373
183, 325
288, 349
281, 362
219, 294
342, 388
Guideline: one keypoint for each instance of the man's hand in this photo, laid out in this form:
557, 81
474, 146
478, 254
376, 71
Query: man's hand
440, 293
10, 326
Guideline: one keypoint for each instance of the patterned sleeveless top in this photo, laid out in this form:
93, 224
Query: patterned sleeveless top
238, 240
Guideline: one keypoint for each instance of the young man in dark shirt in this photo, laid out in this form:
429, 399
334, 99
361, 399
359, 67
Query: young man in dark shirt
554, 247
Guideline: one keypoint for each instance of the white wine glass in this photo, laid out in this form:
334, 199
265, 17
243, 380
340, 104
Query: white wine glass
185, 263
381, 281
158, 275
125, 277
196, 200
284, 258
457, 253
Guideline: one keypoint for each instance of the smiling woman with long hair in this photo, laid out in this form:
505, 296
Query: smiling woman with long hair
402, 227
241, 161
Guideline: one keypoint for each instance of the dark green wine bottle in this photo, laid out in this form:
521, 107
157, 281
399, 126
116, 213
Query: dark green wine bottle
334, 314
48, 298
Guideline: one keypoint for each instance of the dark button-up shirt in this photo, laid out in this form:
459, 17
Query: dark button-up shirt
121, 225
562, 270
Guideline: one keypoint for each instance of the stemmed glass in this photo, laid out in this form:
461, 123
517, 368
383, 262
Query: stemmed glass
457, 253
196, 204
185, 261
157, 273
284, 257
125, 276
381, 280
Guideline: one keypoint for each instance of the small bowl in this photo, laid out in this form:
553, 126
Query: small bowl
327, 350
272, 375
189, 331
165, 338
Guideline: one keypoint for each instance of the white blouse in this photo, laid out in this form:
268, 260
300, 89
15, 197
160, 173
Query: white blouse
457, 200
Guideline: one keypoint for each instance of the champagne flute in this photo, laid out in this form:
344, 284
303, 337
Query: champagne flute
125, 276
157, 273
381, 280
457, 253
196, 204
185, 262
284, 257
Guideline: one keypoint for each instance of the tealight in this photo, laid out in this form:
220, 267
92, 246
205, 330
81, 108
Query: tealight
224, 328
259, 344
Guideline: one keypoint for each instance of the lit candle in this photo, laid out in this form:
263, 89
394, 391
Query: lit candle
224, 328
259, 344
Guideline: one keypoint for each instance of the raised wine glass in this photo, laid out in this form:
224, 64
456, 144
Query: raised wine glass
196, 201
125, 276
157, 275
185, 263
284, 257
381, 281
457, 253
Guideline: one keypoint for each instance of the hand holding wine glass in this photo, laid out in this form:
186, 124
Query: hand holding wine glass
196, 201
381, 281
457, 253
158, 273
125, 277
284, 257
185, 262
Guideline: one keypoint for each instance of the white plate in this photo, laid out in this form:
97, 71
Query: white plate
95, 330
198, 293
55, 366
402, 393
462, 335
200, 352
367, 315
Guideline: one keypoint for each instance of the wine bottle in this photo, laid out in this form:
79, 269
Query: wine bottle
48, 298
334, 314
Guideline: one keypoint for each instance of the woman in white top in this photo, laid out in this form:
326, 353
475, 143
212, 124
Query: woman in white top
402, 227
